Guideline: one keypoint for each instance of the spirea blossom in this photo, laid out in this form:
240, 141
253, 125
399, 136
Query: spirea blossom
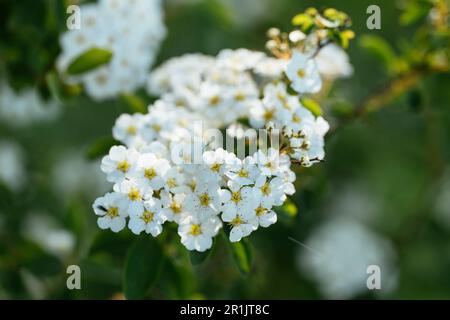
131, 29
169, 171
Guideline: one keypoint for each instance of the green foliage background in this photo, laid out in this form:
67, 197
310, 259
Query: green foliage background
398, 155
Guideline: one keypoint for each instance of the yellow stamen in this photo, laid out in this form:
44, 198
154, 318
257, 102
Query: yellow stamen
196, 230
260, 211
236, 197
243, 173
265, 189
175, 207
134, 195
150, 173
216, 167
214, 100
131, 130
113, 212
147, 216
236, 221
301, 73
205, 200
123, 166
172, 183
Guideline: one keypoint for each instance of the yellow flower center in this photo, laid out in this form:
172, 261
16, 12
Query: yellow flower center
156, 127
242, 173
214, 100
131, 130
260, 211
113, 212
301, 73
196, 230
271, 165
236, 221
296, 118
205, 200
134, 194
150, 173
268, 115
123, 166
265, 189
216, 167
239, 96
175, 207
236, 197
172, 183
147, 216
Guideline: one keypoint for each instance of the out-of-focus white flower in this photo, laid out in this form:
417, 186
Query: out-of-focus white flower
333, 62
12, 173
302, 71
340, 253
43, 230
72, 174
25, 107
131, 29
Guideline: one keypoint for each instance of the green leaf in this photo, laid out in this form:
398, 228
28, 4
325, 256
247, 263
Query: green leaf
242, 255
100, 147
143, 267
134, 102
55, 86
287, 212
90, 59
312, 106
380, 48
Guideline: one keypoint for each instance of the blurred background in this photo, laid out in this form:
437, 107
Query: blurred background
382, 197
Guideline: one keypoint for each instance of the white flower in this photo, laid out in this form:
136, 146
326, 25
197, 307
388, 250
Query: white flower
196, 231
175, 181
149, 169
265, 216
136, 193
333, 62
112, 211
270, 67
118, 163
205, 200
149, 219
239, 211
303, 73
243, 172
131, 30
240, 59
343, 249
174, 206
238, 200
215, 163
12, 173
271, 163
126, 128
271, 191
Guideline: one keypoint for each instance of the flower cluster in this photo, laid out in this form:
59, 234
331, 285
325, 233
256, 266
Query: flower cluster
131, 29
168, 170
